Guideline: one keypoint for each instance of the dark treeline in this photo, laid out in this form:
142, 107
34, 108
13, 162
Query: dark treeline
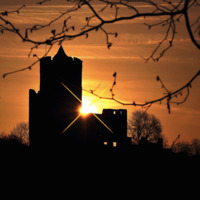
17, 143
144, 151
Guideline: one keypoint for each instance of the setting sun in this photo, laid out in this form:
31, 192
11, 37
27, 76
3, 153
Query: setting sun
87, 107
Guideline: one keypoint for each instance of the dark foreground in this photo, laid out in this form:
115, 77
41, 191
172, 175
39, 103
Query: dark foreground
147, 152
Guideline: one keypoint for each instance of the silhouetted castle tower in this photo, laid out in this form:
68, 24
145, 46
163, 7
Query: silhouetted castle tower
54, 107
58, 103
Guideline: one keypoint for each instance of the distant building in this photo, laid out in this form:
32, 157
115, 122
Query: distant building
58, 103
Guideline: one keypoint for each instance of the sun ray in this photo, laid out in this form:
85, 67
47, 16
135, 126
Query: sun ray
87, 107
82, 113
78, 100
98, 97
71, 92
71, 124
103, 123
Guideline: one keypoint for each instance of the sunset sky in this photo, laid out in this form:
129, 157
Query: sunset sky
136, 80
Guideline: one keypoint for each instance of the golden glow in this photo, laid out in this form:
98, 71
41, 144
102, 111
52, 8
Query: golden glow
87, 107
98, 97
114, 144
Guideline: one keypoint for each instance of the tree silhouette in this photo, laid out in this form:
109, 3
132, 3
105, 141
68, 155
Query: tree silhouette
167, 13
144, 125
190, 148
195, 147
21, 132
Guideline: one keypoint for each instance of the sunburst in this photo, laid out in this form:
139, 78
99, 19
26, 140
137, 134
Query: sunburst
84, 110
87, 107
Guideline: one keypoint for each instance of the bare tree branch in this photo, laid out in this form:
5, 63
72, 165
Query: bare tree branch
42, 2
169, 96
167, 11
172, 11
30, 66
188, 25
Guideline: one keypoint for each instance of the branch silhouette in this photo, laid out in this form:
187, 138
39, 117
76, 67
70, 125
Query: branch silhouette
167, 11
169, 96
30, 66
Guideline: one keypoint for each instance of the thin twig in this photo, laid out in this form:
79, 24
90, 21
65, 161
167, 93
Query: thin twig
148, 104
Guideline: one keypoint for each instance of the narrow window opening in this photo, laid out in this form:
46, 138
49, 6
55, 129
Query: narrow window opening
114, 144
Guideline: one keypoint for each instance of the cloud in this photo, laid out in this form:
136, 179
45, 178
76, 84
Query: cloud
146, 38
33, 15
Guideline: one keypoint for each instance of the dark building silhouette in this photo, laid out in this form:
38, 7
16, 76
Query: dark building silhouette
55, 124
57, 105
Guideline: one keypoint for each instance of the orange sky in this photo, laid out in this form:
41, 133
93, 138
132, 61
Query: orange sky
136, 80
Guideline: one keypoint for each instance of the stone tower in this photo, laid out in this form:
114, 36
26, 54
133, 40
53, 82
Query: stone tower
54, 107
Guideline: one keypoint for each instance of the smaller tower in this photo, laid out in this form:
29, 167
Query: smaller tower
116, 120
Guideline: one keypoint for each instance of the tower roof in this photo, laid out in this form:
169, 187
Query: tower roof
61, 53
